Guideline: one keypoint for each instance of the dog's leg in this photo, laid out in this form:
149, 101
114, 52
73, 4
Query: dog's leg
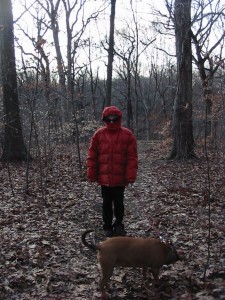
155, 273
144, 273
107, 270
104, 295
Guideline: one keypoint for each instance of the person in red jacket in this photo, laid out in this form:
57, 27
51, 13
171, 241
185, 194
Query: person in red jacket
112, 162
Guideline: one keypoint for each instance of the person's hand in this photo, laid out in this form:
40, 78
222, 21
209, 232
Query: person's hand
131, 185
91, 182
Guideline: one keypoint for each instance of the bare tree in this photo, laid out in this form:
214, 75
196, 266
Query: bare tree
94, 79
132, 43
110, 54
14, 148
183, 141
207, 33
142, 43
126, 73
208, 37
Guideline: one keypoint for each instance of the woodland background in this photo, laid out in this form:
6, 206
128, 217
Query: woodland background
62, 57
59, 88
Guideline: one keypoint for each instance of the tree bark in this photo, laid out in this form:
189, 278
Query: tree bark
183, 141
13, 148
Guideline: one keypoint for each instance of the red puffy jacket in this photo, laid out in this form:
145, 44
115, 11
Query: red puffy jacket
112, 156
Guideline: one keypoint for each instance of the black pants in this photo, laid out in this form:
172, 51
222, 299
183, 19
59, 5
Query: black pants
112, 202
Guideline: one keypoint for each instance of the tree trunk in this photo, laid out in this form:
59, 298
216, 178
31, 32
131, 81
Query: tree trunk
13, 148
53, 13
129, 103
110, 54
183, 141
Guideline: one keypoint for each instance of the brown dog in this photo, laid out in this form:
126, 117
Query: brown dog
131, 252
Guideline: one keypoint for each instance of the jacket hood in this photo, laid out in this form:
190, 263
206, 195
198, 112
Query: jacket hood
111, 110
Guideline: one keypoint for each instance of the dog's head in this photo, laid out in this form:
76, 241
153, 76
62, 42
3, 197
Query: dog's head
173, 256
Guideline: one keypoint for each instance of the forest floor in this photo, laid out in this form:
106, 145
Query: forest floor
41, 255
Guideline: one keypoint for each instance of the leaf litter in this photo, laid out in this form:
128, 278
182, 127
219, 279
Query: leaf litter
41, 253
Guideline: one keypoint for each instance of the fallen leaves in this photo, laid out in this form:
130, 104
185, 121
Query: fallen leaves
41, 253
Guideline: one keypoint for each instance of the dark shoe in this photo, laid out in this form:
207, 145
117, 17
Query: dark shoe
108, 230
108, 233
119, 230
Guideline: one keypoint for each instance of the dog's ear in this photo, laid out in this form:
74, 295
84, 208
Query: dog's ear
162, 239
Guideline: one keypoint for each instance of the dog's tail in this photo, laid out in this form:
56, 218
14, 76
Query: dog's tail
88, 245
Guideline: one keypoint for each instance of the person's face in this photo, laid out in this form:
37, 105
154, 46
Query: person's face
111, 119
